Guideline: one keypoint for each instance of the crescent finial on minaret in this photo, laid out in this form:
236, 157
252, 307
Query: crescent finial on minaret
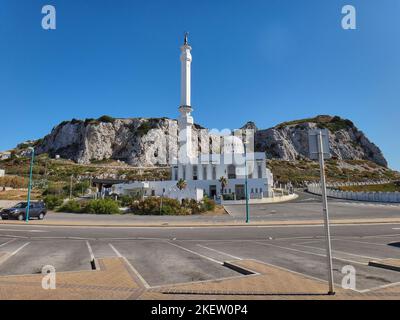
185, 41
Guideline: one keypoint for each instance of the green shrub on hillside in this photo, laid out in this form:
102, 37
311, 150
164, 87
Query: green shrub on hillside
101, 206
106, 119
71, 206
53, 201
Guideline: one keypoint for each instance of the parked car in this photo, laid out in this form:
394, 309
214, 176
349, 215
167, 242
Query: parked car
36, 210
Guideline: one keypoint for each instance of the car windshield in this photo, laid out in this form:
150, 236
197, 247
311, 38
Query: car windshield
20, 205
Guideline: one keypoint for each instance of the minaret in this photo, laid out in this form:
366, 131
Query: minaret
185, 120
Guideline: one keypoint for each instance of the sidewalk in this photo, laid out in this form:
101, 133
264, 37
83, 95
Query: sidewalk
116, 280
98, 221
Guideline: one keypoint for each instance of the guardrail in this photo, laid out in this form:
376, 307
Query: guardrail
392, 197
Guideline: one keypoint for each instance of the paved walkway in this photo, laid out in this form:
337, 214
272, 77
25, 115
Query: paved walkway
116, 279
206, 223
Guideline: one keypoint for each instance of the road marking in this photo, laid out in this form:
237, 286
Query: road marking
19, 249
196, 253
116, 251
364, 242
147, 286
308, 199
90, 251
334, 250
5, 243
384, 286
220, 252
307, 252
17, 230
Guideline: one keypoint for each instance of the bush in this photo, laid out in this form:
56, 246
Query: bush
208, 204
127, 201
102, 206
55, 188
71, 206
106, 119
53, 201
152, 206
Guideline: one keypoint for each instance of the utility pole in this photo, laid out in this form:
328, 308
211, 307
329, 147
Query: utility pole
318, 141
326, 214
70, 187
30, 184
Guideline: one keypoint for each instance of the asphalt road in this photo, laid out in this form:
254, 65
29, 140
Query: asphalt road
170, 255
308, 207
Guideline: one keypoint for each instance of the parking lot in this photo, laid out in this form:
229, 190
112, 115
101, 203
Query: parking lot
163, 256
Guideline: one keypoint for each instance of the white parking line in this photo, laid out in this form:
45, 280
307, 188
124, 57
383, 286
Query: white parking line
147, 286
364, 242
334, 250
19, 249
220, 252
5, 243
90, 251
307, 252
116, 251
196, 253
384, 286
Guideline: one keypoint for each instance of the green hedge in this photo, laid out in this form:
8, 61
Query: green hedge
102, 206
99, 206
53, 201
167, 206
71, 206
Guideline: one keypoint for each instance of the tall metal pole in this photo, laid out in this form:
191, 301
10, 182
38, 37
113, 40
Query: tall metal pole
70, 187
326, 214
30, 184
245, 185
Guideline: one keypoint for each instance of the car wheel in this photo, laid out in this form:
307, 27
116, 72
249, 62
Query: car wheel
20, 217
41, 216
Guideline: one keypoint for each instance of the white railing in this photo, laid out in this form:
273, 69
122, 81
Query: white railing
392, 197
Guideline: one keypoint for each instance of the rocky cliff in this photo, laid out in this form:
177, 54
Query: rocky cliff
151, 142
289, 140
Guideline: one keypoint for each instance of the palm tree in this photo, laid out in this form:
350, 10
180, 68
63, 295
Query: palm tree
181, 184
224, 182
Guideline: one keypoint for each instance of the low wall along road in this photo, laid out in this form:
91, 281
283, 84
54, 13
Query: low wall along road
392, 197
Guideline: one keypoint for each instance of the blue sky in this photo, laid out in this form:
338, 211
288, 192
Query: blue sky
268, 61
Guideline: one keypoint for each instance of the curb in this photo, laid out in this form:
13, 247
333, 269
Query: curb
276, 223
383, 265
237, 268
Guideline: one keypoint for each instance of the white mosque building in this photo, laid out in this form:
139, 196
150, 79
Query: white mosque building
202, 173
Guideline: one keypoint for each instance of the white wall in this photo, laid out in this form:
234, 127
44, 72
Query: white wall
393, 197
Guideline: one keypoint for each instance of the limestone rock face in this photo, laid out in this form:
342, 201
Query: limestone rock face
154, 142
136, 141
289, 141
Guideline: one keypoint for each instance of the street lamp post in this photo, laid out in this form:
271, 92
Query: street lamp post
30, 184
326, 213
245, 185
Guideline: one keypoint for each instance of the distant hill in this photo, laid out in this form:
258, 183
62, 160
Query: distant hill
138, 141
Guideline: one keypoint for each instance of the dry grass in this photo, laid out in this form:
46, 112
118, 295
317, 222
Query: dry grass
19, 194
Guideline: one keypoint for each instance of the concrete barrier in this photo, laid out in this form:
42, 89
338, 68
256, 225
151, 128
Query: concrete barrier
388, 197
263, 200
